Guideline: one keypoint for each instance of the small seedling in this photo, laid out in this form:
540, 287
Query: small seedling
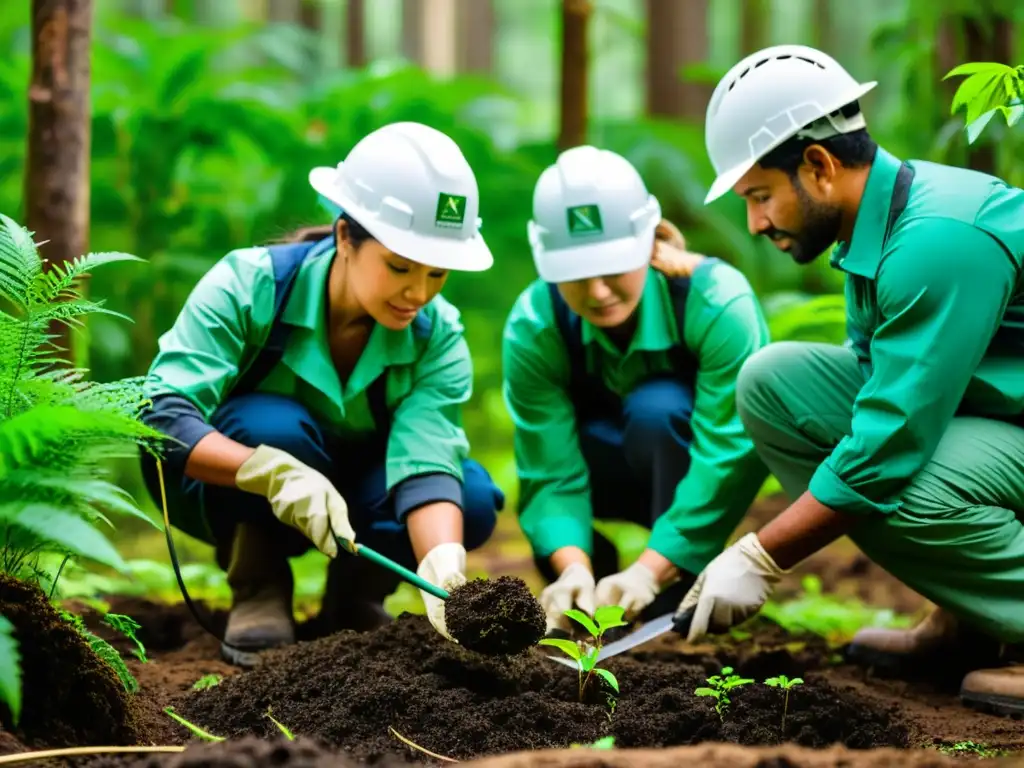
204, 735
718, 687
287, 734
605, 742
206, 681
605, 617
785, 684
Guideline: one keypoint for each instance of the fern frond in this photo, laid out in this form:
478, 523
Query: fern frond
20, 265
104, 650
69, 312
70, 532
60, 279
10, 670
77, 490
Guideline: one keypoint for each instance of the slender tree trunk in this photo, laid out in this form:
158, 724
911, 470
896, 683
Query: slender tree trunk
355, 34
476, 36
677, 34
573, 99
59, 113
982, 45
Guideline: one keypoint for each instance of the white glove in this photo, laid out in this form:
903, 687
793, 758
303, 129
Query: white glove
575, 585
445, 567
633, 589
299, 496
731, 588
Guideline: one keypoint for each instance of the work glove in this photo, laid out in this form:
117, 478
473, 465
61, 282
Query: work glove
633, 589
575, 586
443, 566
299, 496
731, 588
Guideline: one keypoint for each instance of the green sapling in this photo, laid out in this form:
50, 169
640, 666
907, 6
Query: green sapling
605, 617
718, 687
785, 684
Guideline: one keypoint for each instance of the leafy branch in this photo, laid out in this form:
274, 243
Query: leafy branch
990, 87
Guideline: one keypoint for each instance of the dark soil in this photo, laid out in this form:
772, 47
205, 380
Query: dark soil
494, 616
347, 690
69, 696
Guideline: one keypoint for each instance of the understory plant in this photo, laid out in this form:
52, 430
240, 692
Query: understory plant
606, 617
58, 429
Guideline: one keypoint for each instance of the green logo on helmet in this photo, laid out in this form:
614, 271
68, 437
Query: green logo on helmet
451, 210
584, 220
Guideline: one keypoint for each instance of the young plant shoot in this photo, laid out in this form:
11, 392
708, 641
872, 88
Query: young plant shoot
785, 684
718, 687
605, 617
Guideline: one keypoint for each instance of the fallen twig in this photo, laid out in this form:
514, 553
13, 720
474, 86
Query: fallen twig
414, 745
20, 757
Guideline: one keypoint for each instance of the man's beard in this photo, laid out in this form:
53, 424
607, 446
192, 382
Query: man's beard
818, 232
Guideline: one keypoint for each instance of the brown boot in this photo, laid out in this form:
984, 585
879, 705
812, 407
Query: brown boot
998, 690
940, 637
261, 588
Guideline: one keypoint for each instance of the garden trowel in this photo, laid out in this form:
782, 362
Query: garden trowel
649, 631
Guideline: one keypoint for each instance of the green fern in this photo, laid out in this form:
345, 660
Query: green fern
57, 431
10, 670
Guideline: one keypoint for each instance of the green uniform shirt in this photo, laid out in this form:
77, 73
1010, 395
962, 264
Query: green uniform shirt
723, 326
936, 317
227, 319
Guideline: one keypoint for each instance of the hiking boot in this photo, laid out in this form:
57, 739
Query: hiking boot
261, 587
998, 690
939, 643
354, 595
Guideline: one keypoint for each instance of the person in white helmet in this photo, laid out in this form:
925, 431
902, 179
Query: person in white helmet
909, 438
620, 380
315, 390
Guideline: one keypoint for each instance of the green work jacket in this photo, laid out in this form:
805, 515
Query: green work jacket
936, 316
723, 326
227, 318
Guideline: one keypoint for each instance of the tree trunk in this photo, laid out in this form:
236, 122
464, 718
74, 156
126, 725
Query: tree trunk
677, 34
997, 47
355, 34
476, 36
286, 11
573, 98
754, 30
59, 114
412, 31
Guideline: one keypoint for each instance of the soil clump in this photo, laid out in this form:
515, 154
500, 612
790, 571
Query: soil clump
70, 697
495, 616
347, 689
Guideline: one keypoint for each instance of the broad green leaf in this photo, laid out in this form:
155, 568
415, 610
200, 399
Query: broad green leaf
610, 678
705, 692
588, 660
976, 67
568, 647
65, 529
10, 669
583, 619
608, 616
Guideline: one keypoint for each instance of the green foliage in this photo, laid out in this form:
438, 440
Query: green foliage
10, 670
287, 733
718, 687
989, 88
195, 729
127, 626
56, 427
105, 651
605, 618
206, 681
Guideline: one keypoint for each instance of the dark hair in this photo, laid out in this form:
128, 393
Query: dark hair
357, 235
853, 150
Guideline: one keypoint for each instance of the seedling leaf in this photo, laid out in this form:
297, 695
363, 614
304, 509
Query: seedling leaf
608, 616
206, 681
205, 735
610, 678
288, 734
568, 647
585, 620
588, 661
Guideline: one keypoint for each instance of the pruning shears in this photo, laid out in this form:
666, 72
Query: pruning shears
376, 557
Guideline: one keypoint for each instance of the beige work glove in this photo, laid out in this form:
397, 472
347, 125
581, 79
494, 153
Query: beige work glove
633, 589
299, 496
573, 588
732, 588
445, 567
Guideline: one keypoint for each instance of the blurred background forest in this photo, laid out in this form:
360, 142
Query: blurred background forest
206, 116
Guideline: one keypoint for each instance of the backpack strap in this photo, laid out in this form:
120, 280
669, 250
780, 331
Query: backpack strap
287, 260
377, 392
684, 361
900, 195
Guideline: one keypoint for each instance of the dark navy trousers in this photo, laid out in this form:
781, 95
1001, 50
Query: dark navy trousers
636, 458
356, 468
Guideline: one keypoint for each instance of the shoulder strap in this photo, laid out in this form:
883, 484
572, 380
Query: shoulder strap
287, 260
681, 355
568, 324
900, 196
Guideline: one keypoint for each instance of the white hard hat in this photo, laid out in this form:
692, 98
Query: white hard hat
769, 97
592, 216
410, 186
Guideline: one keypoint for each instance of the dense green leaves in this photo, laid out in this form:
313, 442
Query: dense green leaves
989, 87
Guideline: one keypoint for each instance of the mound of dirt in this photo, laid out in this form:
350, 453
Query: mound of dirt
70, 697
350, 690
494, 616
